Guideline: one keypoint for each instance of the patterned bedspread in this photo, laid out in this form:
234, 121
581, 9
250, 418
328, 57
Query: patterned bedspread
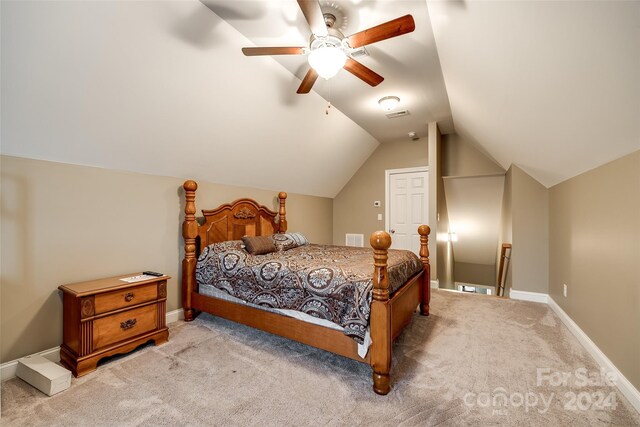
328, 282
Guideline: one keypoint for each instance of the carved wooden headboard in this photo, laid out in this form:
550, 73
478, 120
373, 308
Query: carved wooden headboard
231, 221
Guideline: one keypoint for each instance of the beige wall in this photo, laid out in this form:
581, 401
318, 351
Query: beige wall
479, 274
461, 158
353, 210
505, 230
62, 223
595, 249
530, 233
445, 260
435, 185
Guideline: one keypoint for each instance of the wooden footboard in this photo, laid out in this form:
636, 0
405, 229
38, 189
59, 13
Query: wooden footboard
389, 314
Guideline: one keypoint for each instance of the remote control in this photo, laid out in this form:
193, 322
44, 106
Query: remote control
152, 273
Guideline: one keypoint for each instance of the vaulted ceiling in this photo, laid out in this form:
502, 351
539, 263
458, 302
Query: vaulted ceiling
409, 63
551, 86
162, 87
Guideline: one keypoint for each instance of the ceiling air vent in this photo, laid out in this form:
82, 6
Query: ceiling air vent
359, 52
396, 114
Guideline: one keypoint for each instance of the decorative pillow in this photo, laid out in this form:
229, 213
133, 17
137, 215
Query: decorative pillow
258, 245
287, 241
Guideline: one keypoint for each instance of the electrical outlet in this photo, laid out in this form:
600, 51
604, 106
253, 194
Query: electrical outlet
379, 217
564, 290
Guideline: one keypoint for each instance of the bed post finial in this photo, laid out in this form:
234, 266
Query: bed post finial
380, 314
282, 213
424, 231
189, 233
380, 241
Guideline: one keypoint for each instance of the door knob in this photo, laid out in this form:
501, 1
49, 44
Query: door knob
392, 231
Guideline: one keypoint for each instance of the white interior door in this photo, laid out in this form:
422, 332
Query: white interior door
408, 207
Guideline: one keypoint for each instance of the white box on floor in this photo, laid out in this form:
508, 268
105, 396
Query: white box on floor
43, 374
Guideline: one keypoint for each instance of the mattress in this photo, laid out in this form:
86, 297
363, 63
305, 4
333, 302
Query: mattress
332, 283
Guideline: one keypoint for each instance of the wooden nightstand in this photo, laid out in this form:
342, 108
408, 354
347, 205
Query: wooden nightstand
109, 316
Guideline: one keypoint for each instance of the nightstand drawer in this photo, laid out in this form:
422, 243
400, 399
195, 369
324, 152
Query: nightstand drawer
109, 316
111, 329
122, 298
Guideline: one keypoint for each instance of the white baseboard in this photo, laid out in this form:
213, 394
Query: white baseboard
8, 369
435, 284
529, 296
624, 385
175, 315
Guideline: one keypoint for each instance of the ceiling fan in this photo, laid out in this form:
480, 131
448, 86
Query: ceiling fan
329, 50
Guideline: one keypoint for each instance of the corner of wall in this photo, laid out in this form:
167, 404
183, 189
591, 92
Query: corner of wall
506, 232
353, 210
594, 236
435, 175
530, 232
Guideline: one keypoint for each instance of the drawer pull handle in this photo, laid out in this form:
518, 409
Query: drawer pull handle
128, 324
128, 297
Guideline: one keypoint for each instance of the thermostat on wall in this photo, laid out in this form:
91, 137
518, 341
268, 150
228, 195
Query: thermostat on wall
376, 204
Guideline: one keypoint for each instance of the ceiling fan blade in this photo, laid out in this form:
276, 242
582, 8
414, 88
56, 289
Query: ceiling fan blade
313, 14
362, 72
308, 81
394, 28
255, 51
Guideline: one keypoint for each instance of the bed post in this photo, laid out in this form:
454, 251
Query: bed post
380, 314
424, 231
189, 233
282, 214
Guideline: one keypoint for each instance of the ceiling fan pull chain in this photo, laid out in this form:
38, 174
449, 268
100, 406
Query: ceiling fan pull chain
326, 112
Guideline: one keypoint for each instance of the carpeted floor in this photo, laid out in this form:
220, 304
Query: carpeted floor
476, 360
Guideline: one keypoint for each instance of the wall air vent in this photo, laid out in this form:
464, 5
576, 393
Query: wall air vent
395, 114
359, 52
356, 240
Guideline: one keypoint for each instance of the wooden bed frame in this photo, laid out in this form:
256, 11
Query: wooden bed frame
389, 314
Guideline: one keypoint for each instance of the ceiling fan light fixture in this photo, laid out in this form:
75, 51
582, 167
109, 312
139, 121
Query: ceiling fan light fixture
388, 103
327, 60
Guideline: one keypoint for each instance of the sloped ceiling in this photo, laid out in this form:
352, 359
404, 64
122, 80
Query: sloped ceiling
163, 88
408, 63
551, 86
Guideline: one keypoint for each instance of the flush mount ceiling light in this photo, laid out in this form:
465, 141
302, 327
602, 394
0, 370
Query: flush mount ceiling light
388, 103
